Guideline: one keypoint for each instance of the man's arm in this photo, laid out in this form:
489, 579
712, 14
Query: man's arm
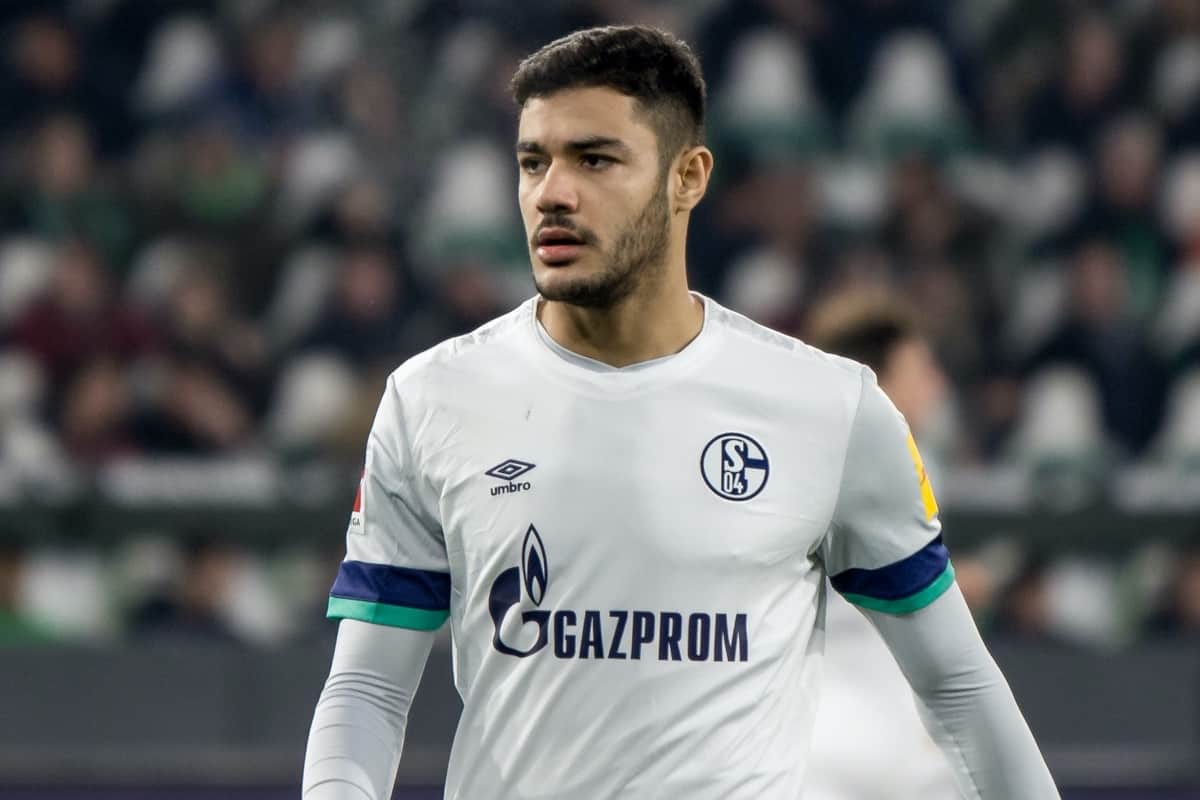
358, 728
884, 553
965, 702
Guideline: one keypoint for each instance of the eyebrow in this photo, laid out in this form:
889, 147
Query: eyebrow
576, 145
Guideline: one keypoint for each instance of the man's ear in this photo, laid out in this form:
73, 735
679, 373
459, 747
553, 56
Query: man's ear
689, 178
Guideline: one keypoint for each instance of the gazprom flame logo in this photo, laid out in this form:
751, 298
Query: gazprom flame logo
513, 637
535, 570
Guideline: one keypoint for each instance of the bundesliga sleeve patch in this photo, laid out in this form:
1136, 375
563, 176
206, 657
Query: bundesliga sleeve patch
356, 514
927, 498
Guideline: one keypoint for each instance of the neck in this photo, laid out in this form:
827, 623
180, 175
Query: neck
642, 327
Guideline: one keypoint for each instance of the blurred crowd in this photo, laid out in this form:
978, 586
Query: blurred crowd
223, 222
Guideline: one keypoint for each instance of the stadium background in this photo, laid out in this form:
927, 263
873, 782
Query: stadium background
223, 224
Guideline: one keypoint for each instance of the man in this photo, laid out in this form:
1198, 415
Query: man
626, 499
868, 742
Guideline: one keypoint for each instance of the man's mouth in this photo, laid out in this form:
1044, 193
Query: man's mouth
558, 245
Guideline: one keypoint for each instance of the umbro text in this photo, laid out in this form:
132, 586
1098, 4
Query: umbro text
510, 488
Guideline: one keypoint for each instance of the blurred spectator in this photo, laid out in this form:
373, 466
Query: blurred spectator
1102, 336
223, 187
1123, 208
201, 327
195, 412
262, 96
1164, 42
467, 295
1179, 613
16, 628
1024, 610
364, 324
80, 317
47, 71
940, 249
66, 197
362, 213
192, 607
884, 334
370, 105
1087, 91
775, 257
223, 190
96, 412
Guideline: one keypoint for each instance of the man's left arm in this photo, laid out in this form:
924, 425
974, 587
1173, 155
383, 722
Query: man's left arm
964, 700
884, 553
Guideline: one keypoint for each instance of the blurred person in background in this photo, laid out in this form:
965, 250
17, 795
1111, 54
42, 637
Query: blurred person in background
1123, 208
46, 71
96, 414
80, 317
191, 607
262, 96
222, 189
938, 246
201, 325
1085, 92
874, 328
223, 185
1102, 336
868, 739
361, 213
365, 321
465, 295
1178, 614
211, 381
773, 251
65, 196
368, 103
16, 627
194, 410
1024, 610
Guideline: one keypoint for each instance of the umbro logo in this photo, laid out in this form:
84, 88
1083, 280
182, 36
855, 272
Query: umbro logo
509, 470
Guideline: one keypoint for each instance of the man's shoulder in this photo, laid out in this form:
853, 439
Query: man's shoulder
466, 354
773, 350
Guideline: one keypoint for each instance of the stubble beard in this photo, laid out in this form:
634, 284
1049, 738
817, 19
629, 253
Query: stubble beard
637, 257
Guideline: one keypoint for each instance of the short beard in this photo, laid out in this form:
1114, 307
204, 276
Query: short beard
638, 256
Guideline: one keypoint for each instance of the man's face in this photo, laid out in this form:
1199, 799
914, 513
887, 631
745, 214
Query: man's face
592, 195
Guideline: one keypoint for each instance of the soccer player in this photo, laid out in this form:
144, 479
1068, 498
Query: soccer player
626, 498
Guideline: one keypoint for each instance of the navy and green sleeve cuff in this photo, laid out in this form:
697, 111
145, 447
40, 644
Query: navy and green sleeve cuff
903, 587
388, 595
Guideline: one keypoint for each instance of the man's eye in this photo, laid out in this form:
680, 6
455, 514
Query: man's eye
531, 165
593, 161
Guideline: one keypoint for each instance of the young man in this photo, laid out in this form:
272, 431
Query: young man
626, 499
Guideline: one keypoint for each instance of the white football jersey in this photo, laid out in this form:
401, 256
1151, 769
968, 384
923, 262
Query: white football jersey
633, 560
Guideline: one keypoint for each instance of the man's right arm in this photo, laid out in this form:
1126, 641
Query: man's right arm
358, 728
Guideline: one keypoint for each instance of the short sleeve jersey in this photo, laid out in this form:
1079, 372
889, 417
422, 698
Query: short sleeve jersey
632, 560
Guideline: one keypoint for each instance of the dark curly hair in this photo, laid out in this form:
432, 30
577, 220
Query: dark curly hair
650, 65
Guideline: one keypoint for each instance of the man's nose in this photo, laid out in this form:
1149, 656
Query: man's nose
557, 191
